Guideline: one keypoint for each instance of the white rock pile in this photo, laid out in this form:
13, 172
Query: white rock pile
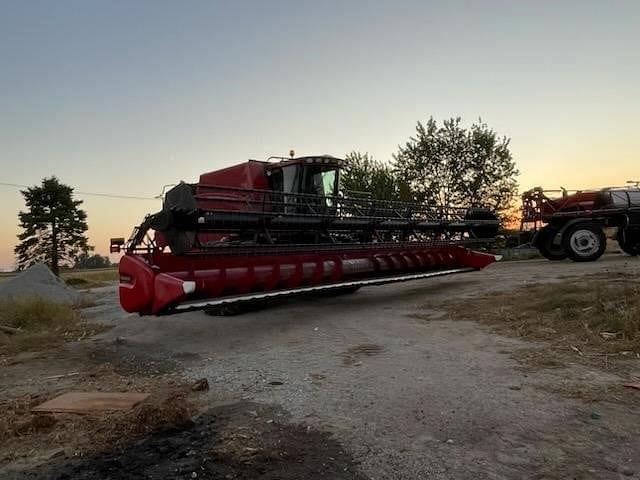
38, 282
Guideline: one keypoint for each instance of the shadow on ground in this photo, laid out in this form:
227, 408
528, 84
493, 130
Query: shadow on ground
239, 441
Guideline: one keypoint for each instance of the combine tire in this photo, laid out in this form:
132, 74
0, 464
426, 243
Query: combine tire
584, 242
546, 247
629, 240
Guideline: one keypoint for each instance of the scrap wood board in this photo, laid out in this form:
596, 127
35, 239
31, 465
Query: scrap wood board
88, 402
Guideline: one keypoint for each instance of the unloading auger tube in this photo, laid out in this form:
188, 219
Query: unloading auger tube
262, 230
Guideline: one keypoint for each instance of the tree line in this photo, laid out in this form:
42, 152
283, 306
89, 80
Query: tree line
444, 164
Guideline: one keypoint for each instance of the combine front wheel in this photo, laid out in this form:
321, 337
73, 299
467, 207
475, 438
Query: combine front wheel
584, 242
546, 247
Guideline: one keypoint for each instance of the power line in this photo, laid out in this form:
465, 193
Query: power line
14, 185
93, 194
111, 195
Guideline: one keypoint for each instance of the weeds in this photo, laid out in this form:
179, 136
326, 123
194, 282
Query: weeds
36, 314
598, 313
39, 323
84, 279
80, 279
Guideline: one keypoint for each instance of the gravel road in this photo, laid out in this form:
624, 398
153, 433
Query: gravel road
406, 398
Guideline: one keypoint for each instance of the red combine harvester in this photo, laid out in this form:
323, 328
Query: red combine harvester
571, 223
261, 230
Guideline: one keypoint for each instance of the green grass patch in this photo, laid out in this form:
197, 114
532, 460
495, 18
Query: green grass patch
83, 279
36, 314
36, 323
4, 276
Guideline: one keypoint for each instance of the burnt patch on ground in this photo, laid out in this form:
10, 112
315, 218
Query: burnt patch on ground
28, 438
239, 441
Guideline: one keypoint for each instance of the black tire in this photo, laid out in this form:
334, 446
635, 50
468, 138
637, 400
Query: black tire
545, 245
629, 240
584, 242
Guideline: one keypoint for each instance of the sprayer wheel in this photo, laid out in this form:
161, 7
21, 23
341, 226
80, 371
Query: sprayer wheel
546, 247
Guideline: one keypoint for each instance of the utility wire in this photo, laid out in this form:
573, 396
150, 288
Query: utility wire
93, 194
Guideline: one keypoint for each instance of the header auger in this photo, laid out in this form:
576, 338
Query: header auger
261, 230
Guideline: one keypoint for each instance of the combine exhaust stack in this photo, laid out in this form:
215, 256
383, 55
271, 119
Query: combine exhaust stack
261, 230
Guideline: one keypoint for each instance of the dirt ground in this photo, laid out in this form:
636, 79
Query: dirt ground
381, 384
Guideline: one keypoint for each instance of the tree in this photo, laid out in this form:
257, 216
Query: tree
490, 176
53, 226
86, 261
452, 166
365, 174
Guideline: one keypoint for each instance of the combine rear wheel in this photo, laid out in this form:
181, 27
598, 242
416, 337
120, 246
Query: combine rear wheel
546, 247
584, 242
629, 240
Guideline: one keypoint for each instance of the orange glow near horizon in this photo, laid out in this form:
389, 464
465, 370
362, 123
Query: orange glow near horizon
109, 217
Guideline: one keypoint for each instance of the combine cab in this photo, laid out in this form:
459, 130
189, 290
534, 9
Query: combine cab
261, 230
571, 223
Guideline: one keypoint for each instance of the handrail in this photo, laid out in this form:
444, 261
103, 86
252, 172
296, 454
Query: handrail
270, 203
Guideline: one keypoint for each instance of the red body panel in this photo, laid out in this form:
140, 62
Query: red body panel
249, 175
211, 194
576, 201
150, 285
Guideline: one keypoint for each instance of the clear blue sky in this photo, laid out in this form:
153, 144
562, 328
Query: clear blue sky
124, 97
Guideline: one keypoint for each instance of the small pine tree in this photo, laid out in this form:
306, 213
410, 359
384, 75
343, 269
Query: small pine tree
54, 227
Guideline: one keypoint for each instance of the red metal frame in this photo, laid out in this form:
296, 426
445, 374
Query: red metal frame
154, 283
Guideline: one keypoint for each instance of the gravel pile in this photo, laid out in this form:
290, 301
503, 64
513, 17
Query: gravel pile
38, 282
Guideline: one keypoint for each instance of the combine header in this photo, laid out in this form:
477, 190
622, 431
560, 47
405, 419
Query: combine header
261, 230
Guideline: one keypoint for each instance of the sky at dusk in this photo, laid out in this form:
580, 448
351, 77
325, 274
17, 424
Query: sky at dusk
124, 97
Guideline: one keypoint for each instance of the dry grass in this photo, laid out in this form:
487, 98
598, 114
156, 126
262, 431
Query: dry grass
23, 432
591, 392
36, 314
84, 279
40, 324
597, 313
80, 279
595, 318
4, 276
